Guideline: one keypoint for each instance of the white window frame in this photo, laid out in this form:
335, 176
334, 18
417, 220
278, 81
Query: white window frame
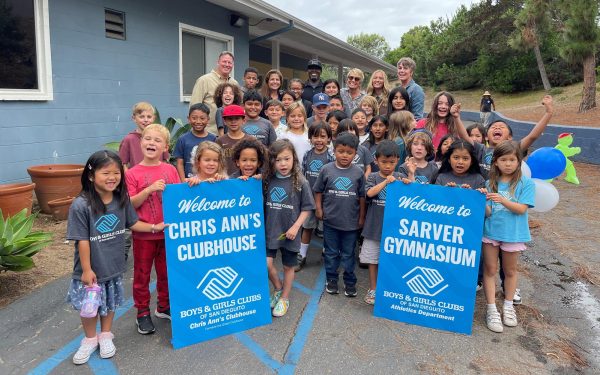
43, 57
205, 33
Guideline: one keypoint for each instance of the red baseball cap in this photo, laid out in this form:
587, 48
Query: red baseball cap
234, 111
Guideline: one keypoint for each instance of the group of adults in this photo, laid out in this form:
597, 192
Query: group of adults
378, 86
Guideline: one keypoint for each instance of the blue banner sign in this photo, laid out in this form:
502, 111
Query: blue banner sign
429, 257
216, 259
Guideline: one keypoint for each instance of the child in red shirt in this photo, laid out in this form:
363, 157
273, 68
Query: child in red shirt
145, 183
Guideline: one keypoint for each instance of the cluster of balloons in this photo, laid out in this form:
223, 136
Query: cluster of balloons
544, 164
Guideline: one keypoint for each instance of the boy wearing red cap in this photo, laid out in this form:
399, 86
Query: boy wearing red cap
234, 118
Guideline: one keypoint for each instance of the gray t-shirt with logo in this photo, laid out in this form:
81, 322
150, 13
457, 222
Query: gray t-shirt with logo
313, 163
375, 207
283, 205
474, 180
362, 158
342, 189
425, 175
106, 234
260, 129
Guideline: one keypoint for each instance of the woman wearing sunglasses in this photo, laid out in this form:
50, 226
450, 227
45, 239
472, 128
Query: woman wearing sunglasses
352, 94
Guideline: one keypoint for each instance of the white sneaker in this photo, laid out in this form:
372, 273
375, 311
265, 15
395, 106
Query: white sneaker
87, 347
509, 316
107, 348
493, 321
517, 297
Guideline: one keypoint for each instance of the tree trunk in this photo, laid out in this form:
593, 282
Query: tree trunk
541, 67
588, 97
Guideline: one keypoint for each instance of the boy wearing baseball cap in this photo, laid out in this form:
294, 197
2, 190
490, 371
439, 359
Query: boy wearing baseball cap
234, 118
320, 108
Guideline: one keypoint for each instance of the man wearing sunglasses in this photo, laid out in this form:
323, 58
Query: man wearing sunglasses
352, 94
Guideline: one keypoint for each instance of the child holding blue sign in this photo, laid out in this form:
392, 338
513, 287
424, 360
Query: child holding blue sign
387, 155
288, 202
209, 163
460, 167
340, 200
506, 229
97, 221
249, 157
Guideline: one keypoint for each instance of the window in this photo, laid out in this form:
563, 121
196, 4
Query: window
25, 66
199, 50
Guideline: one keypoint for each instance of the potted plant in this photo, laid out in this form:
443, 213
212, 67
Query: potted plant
16, 197
18, 243
60, 207
53, 181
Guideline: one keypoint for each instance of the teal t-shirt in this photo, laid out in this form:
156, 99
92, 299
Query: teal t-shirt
504, 225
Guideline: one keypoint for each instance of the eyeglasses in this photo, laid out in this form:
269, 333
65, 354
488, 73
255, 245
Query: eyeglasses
351, 78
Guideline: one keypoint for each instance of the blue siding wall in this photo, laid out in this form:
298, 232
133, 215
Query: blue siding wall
97, 80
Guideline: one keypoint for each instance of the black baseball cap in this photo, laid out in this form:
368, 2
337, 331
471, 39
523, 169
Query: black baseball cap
314, 63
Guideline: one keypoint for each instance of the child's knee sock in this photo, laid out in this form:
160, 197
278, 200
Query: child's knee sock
303, 249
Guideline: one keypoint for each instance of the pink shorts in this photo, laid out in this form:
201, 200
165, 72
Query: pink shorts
510, 247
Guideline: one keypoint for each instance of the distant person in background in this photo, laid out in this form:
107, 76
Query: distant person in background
486, 108
352, 95
314, 84
379, 88
406, 68
250, 79
205, 86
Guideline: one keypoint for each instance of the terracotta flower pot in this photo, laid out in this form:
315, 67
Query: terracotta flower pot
60, 207
53, 181
15, 197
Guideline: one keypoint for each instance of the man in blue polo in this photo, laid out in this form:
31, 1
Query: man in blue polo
314, 84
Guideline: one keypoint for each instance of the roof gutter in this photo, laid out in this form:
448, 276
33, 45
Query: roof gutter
273, 33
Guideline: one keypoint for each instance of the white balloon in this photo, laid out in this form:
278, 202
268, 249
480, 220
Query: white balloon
546, 196
525, 170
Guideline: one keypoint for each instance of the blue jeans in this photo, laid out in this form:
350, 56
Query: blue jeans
339, 250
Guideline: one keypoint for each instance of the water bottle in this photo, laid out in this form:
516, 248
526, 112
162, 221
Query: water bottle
91, 301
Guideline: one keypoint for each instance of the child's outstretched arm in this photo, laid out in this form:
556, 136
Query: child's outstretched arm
460, 127
538, 129
295, 228
141, 226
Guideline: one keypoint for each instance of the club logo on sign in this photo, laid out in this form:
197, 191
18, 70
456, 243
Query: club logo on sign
425, 281
278, 194
107, 223
218, 283
342, 183
251, 129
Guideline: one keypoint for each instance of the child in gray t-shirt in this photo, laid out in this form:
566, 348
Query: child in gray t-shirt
288, 202
340, 199
460, 167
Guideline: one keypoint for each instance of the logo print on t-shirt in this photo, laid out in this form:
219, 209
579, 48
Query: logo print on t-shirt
278, 194
422, 179
315, 165
251, 129
383, 193
356, 159
107, 223
342, 183
487, 159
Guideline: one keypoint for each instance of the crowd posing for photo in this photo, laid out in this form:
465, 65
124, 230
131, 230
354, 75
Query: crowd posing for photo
301, 140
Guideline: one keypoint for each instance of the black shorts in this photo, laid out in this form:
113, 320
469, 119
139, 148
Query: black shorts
288, 257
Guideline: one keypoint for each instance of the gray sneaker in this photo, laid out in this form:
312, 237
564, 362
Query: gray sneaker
301, 263
332, 287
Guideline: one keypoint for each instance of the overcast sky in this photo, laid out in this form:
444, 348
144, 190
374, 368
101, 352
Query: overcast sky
385, 17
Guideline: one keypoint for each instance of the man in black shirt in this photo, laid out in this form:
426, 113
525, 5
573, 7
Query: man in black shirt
314, 84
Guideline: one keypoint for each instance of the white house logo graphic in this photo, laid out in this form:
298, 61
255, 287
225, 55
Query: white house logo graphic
382, 194
278, 194
251, 129
422, 179
342, 183
107, 223
315, 165
220, 283
356, 158
425, 281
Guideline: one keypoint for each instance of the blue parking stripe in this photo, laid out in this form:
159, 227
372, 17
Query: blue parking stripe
67, 351
258, 351
101, 366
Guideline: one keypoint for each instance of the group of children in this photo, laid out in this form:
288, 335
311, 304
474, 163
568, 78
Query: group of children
335, 171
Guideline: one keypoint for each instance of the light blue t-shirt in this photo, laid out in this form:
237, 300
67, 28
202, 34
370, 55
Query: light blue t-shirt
504, 225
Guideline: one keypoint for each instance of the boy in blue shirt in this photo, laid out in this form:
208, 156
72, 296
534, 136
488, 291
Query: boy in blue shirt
198, 118
340, 203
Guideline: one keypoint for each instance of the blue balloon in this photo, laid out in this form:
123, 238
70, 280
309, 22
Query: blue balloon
546, 163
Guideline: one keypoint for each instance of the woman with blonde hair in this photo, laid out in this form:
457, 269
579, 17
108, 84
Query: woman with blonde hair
379, 88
